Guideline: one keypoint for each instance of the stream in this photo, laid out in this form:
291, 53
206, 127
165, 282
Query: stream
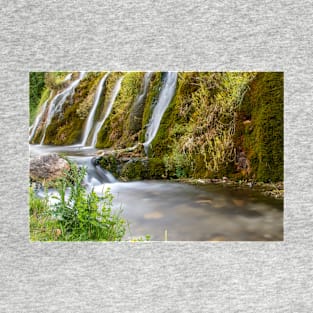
185, 212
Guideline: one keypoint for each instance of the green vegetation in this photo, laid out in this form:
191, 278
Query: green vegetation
80, 216
217, 124
151, 100
55, 80
142, 169
259, 132
133, 169
195, 137
66, 128
36, 87
116, 130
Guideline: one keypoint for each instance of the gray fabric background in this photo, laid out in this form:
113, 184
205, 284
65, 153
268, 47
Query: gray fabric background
156, 35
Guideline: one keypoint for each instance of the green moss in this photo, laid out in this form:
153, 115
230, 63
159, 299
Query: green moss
215, 123
36, 88
261, 138
66, 128
156, 169
198, 124
163, 141
38, 135
116, 129
137, 110
151, 100
133, 169
55, 80
39, 131
110, 164
138, 169
107, 90
176, 121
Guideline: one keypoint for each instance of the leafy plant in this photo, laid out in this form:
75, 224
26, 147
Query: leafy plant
77, 215
83, 215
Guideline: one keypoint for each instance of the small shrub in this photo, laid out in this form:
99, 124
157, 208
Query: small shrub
77, 215
86, 216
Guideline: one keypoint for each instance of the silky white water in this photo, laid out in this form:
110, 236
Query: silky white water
91, 116
114, 94
146, 81
165, 97
57, 102
187, 212
38, 119
68, 77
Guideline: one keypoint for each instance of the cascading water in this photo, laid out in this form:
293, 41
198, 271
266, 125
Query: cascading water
115, 92
38, 119
92, 113
137, 110
57, 102
68, 77
189, 212
143, 94
165, 97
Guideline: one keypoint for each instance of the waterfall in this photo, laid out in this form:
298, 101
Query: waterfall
57, 102
165, 97
114, 94
136, 112
69, 91
68, 77
39, 119
142, 95
92, 113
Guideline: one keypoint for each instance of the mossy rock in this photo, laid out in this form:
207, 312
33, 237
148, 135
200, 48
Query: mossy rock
110, 163
126, 168
134, 170
156, 169
260, 127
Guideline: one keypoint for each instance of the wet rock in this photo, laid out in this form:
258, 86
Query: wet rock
238, 202
126, 168
242, 162
153, 215
47, 167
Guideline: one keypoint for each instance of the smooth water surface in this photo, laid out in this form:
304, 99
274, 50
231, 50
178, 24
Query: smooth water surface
185, 212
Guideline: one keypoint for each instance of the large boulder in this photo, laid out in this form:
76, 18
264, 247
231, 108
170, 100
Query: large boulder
47, 167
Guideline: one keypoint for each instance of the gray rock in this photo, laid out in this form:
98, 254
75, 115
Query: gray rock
47, 167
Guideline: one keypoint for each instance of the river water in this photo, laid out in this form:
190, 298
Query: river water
182, 212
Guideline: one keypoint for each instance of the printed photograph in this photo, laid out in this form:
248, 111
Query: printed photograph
156, 156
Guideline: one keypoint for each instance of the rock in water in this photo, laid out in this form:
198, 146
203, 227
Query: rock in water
47, 167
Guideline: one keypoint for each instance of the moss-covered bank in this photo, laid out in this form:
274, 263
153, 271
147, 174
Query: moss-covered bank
117, 131
259, 131
217, 124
